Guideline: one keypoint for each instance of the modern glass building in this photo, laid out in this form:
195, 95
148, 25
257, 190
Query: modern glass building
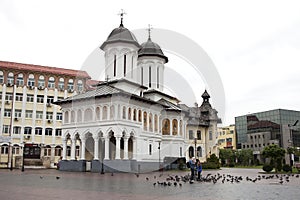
278, 116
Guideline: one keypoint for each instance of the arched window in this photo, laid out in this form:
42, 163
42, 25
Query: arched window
41, 82
191, 152
79, 86
124, 112
88, 115
140, 116
72, 116
145, 120
70, 85
157, 79
150, 123
20, 80
51, 82
61, 84
166, 127
1, 77
129, 114
134, 114
66, 117
31, 81
98, 113
174, 127
155, 123
150, 76
10, 78
79, 116
104, 113
199, 152
112, 112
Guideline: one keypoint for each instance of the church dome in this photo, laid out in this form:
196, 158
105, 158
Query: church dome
120, 34
150, 48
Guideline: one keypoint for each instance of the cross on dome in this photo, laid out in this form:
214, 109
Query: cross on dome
149, 30
122, 13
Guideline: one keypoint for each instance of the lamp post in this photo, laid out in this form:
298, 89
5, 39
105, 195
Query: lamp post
159, 156
23, 157
102, 164
195, 141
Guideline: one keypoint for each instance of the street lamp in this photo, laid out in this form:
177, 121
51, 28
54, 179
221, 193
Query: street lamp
195, 141
23, 157
102, 164
159, 156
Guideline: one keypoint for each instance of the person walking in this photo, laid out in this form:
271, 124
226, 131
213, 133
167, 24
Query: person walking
199, 169
192, 167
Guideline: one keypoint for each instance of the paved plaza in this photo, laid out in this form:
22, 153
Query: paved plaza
53, 184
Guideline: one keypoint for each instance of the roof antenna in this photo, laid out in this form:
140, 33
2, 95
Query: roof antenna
122, 13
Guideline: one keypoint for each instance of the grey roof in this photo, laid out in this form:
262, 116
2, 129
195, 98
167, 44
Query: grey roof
121, 34
169, 105
150, 48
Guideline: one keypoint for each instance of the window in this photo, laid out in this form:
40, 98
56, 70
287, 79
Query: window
124, 113
157, 81
40, 99
134, 115
198, 135
68, 151
16, 130
61, 84
20, 80
58, 132
112, 112
39, 115
51, 83
19, 97
1, 77
150, 76
28, 114
199, 152
180, 151
30, 81
58, 150
142, 74
145, 120
191, 135
79, 86
124, 65
98, 113
38, 131
49, 115
115, 65
4, 149
70, 85
150, 149
16, 150
59, 116
50, 99
10, 78
174, 127
41, 82
155, 123
140, 116
48, 131
210, 135
6, 129
150, 122
166, 127
18, 113
7, 112
129, 114
27, 130
47, 151
30, 98
8, 96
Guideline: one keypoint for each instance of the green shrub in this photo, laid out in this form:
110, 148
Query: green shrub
267, 168
231, 165
287, 168
210, 165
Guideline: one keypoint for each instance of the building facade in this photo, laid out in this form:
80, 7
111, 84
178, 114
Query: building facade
29, 120
128, 123
227, 137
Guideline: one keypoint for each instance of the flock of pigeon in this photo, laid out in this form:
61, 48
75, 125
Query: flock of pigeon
177, 180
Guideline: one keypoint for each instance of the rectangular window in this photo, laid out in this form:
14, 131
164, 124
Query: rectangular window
19, 97
157, 81
39, 115
180, 151
47, 152
30, 82
58, 132
18, 113
16, 150
210, 135
61, 85
191, 134
27, 130
124, 65
50, 99
30, 98
51, 84
150, 76
59, 116
8, 96
20, 81
198, 135
115, 65
28, 114
150, 149
6, 129
49, 115
1, 78
38, 131
48, 131
57, 151
4, 149
7, 112
40, 99
17, 130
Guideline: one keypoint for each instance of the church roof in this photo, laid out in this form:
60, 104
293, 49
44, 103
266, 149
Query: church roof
169, 105
150, 48
120, 34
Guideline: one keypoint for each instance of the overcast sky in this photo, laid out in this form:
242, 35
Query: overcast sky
255, 45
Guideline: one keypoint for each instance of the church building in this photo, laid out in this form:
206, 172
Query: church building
127, 123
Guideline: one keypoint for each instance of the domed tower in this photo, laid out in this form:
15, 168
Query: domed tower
151, 60
120, 47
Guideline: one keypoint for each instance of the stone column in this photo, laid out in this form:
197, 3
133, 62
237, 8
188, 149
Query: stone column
82, 149
106, 155
171, 126
134, 148
73, 149
96, 148
118, 149
125, 148
64, 153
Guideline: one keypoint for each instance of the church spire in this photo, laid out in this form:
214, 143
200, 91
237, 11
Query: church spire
122, 13
149, 31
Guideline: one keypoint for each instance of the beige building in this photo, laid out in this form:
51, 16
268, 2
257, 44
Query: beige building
227, 137
28, 117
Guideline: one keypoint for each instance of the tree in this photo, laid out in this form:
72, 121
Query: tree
245, 156
227, 156
275, 153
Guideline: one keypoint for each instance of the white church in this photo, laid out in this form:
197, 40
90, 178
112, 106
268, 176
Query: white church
127, 123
